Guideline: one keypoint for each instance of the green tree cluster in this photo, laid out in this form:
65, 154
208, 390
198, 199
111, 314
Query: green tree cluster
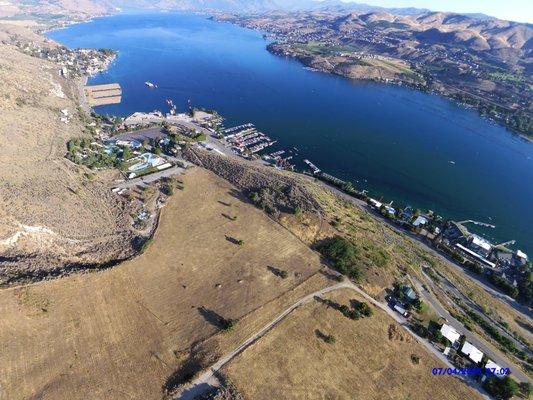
343, 254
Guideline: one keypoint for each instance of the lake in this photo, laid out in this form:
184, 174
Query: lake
411, 147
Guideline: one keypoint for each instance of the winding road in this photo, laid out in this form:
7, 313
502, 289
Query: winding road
208, 379
481, 344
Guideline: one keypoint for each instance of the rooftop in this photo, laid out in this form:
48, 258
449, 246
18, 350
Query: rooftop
472, 352
450, 333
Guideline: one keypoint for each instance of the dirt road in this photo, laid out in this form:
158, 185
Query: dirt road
208, 380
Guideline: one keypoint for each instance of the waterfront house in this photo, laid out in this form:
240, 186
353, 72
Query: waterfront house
479, 245
391, 212
420, 221
520, 258
374, 203
455, 232
478, 257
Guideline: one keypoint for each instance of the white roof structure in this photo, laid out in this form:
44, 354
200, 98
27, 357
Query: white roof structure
496, 368
420, 221
450, 333
376, 203
390, 209
401, 310
472, 352
521, 254
474, 254
480, 242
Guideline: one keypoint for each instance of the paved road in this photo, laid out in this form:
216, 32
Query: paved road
480, 343
208, 379
449, 287
525, 311
149, 178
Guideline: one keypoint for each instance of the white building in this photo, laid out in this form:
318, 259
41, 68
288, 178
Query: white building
495, 369
375, 203
472, 352
521, 254
450, 333
420, 221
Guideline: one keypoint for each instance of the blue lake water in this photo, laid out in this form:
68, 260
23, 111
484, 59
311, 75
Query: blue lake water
393, 141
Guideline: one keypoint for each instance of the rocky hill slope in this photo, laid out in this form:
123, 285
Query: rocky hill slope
53, 215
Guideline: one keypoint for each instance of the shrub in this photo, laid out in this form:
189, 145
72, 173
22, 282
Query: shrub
415, 359
330, 339
284, 274
365, 309
229, 325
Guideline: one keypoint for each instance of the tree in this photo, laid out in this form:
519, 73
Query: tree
501, 389
229, 325
525, 388
330, 339
127, 153
365, 309
343, 254
348, 187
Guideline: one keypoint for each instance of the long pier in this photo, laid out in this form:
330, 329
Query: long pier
99, 95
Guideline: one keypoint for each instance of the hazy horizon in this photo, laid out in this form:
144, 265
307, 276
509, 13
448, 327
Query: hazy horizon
512, 10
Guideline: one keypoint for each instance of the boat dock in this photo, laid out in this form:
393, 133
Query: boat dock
100, 95
247, 140
313, 167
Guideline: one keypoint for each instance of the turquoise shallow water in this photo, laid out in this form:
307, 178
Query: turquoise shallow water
393, 141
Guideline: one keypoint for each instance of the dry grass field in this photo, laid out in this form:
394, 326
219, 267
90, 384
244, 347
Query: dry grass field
371, 359
118, 334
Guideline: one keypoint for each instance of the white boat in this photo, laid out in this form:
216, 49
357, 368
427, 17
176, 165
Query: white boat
150, 85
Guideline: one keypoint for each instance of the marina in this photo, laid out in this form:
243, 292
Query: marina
393, 142
107, 94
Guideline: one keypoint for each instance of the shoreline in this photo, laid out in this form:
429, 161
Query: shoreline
305, 61
464, 105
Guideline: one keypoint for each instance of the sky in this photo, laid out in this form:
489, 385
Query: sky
514, 10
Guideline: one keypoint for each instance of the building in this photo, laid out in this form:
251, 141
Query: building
374, 203
475, 255
521, 258
450, 333
494, 369
409, 293
472, 352
391, 211
455, 232
420, 221
479, 245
